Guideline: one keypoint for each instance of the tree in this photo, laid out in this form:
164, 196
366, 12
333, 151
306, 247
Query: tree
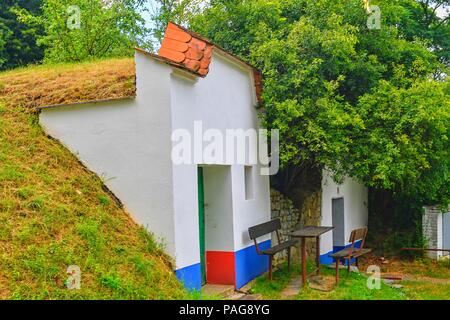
178, 11
357, 101
410, 145
429, 20
17, 40
77, 30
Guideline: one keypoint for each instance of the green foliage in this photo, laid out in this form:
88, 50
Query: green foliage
395, 221
360, 102
103, 199
178, 11
37, 204
409, 140
18, 40
423, 22
104, 30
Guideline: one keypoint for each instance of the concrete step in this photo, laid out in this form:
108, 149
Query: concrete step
218, 290
292, 288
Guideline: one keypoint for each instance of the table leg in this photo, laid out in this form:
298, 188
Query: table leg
303, 261
318, 255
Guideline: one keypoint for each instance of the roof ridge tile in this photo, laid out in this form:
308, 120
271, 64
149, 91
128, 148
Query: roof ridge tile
194, 52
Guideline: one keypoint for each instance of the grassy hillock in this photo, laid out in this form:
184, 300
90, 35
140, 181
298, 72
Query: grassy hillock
54, 212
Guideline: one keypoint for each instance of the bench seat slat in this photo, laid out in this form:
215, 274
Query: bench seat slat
280, 247
345, 252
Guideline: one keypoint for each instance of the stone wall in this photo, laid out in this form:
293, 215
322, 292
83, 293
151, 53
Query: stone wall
293, 218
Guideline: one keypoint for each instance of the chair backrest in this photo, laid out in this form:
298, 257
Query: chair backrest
264, 228
358, 234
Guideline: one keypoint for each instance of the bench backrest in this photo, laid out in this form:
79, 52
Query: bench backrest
358, 234
264, 228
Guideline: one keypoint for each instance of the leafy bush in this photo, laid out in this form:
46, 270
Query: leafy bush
78, 30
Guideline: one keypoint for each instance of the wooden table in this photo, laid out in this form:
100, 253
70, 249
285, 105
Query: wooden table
310, 232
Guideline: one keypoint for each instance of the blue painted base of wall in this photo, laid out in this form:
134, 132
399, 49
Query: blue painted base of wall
249, 264
191, 276
326, 259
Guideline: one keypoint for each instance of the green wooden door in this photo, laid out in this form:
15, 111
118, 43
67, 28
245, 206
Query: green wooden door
201, 219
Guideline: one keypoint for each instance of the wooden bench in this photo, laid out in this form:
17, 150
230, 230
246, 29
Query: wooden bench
267, 228
351, 252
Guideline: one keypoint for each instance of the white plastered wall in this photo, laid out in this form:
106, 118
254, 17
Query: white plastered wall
249, 212
128, 143
225, 99
355, 207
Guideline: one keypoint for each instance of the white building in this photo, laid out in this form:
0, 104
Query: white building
200, 211
345, 207
436, 232
128, 142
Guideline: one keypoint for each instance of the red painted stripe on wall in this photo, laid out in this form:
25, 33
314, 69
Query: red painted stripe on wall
220, 267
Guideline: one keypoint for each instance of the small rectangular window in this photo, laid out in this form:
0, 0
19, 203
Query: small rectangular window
249, 194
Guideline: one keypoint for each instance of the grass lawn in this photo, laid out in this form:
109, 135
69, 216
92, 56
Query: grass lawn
54, 212
433, 284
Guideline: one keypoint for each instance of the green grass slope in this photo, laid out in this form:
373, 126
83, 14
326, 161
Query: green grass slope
54, 213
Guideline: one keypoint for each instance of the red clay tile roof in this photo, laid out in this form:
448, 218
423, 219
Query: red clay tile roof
181, 47
193, 52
